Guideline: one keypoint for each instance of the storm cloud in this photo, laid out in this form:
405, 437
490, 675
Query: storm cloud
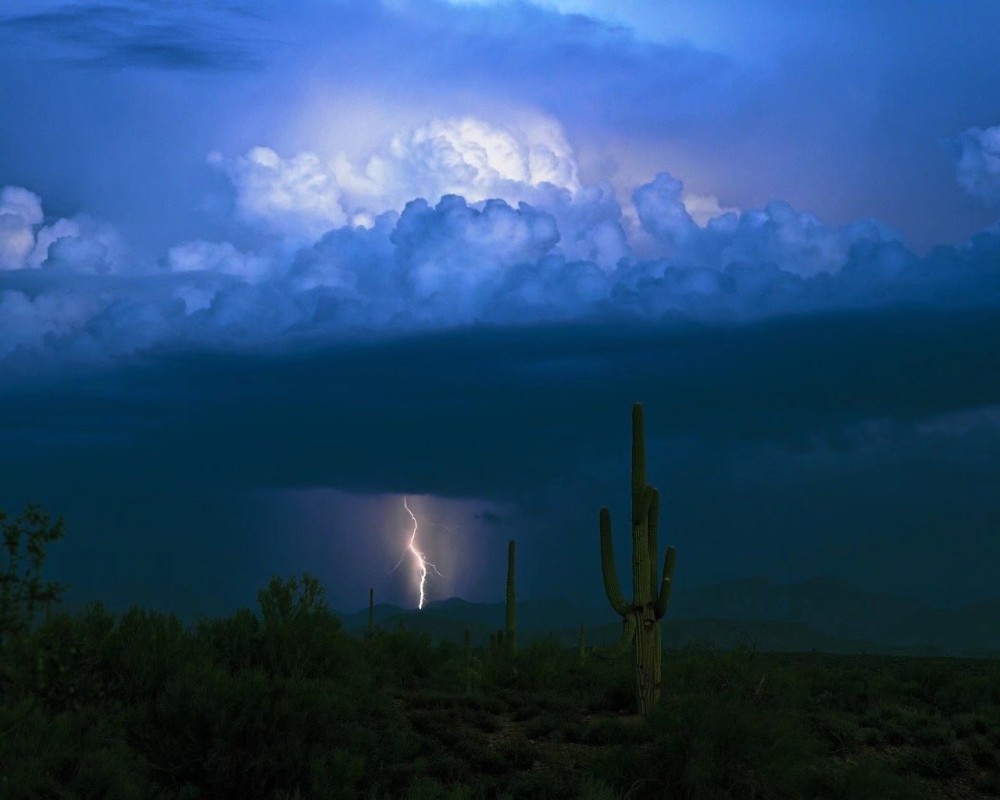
77, 297
265, 269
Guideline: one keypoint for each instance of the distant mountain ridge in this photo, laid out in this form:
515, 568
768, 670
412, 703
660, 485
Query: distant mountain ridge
826, 615
838, 609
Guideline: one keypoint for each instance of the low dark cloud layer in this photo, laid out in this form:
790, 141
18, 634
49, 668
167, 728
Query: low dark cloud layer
825, 445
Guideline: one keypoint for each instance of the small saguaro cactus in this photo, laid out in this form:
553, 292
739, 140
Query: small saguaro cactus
371, 613
650, 597
511, 602
468, 660
581, 645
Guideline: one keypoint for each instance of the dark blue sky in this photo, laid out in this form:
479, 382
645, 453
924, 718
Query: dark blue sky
267, 268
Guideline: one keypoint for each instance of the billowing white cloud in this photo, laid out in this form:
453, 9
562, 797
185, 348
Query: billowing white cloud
567, 252
220, 257
305, 196
798, 243
20, 212
80, 244
475, 159
297, 196
977, 162
453, 256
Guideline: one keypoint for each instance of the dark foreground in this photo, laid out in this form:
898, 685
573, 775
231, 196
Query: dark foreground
282, 703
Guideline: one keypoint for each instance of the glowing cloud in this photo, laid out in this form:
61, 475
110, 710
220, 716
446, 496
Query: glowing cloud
305, 195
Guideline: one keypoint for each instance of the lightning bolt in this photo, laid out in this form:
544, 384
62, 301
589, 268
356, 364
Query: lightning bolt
421, 559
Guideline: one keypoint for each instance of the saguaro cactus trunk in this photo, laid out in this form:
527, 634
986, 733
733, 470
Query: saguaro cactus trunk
468, 660
650, 597
371, 613
511, 602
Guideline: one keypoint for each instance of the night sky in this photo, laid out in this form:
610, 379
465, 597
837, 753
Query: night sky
266, 268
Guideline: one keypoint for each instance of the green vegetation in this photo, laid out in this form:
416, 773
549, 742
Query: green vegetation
22, 593
280, 703
650, 597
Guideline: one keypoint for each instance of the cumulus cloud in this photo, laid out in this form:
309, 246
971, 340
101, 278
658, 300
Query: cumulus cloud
475, 159
28, 321
977, 162
305, 196
453, 250
221, 257
564, 256
80, 244
796, 242
20, 212
297, 196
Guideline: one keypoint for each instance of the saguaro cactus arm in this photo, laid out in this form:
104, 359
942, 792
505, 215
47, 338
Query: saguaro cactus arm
611, 586
666, 583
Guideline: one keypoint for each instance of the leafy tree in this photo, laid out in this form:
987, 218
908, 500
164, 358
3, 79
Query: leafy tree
300, 635
284, 600
22, 592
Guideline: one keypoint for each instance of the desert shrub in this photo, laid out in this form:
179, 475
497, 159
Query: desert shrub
24, 540
592, 789
145, 650
234, 642
554, 726
733, 745
542, 664
299, 635
867, 779
927, 680
79, 754
611, 731
252, 734
931, 762
989, 783
728, 736
966, 725
606, 682
840, 731
65, 663
400, 659
536, 786
983, 753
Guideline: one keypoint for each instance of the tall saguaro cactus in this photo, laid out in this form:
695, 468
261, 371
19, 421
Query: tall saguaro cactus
511, 602
650, 597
